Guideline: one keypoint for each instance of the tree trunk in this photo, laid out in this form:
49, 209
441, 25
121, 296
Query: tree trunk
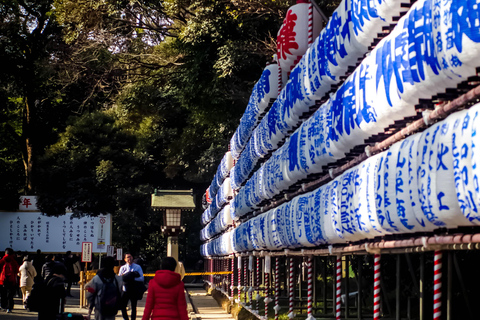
28, 149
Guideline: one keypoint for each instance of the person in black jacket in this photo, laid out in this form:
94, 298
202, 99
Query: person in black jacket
47, 267
54, 302
38, 262
51, 263
68, 261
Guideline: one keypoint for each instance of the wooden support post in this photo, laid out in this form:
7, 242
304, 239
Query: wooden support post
397, 290
422, 285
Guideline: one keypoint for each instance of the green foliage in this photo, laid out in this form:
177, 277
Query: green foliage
221, 49
88, 166
153, 90
11, 167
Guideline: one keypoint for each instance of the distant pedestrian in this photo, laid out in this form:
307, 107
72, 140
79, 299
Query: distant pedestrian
77, 268
54, 296
166, 296
38, 262
141, 262
104, 292
132, 276
8, 279
50, 264
47, 267
27, 276
180, 269
68, 261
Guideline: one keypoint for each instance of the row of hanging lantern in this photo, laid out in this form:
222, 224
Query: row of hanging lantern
249, 291
469, 210
422, 56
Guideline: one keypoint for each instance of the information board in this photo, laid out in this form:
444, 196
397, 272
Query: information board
29, 231
119, 254
87, 251
110, 251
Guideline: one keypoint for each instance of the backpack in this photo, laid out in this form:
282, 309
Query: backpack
108, 299
9, 274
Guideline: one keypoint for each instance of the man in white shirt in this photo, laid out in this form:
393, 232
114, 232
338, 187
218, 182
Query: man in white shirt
130, 272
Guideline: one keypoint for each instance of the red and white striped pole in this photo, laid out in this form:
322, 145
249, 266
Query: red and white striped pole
257, 277
245, 279
225, 276
267, 285
309, 287
232, 278
310, 24
239, 284
291, 289
376, 287
338, 301
250, 282
437, 285
277, 287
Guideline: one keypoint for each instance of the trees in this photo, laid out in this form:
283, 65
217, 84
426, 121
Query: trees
102, 101
220, 49
29, 40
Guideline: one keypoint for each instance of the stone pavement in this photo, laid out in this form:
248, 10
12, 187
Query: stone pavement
205, 307
200, 307
72, 305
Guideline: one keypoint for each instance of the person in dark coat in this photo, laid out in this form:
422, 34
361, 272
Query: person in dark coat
47, 267
166, 296
54, 302
68, 261
38, 262
50, 264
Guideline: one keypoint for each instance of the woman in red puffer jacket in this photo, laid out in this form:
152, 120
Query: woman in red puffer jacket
166, 294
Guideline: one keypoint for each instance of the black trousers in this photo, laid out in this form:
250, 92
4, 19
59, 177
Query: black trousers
129, 296
8, 293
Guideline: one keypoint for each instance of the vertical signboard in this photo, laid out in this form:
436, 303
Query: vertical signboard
119, 254
101, 233
87, 251
110, 251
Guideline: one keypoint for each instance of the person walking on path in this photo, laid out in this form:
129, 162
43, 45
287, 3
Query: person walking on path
68, 262
53, 302
98, 295
131, 274
166, 294
27, 276
8, 279
38, 262
77, 268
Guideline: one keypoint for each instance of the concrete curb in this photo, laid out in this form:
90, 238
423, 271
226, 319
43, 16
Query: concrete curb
190, 308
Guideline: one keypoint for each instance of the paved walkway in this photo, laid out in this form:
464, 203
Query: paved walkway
200, 307
205, 307
72, 305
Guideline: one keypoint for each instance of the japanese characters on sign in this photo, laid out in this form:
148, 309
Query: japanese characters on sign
29, 231
87, 251
110, 251
119, 254
28, 203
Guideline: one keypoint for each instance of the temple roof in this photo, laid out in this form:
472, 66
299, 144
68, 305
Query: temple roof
169, 199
